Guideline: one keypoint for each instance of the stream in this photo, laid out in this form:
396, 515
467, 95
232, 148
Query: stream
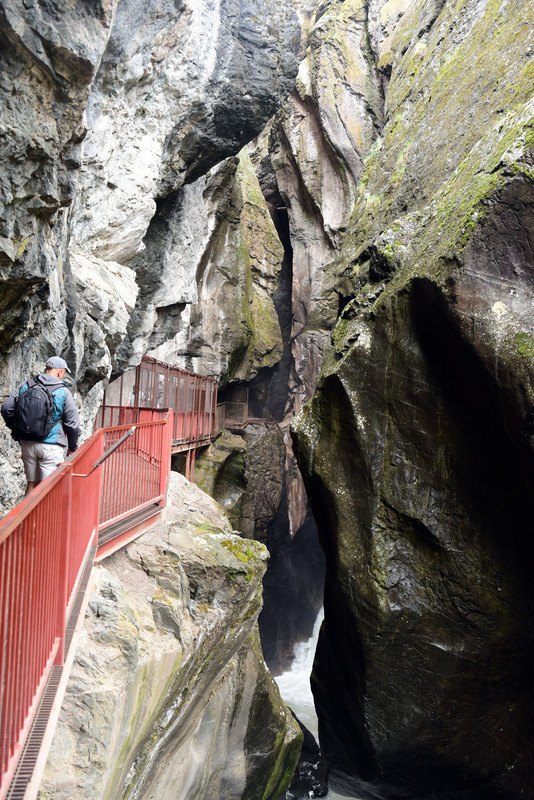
295, 688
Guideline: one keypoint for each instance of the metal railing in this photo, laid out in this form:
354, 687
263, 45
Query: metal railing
189, 427
231, 414
156, 385
45, 543
133, 475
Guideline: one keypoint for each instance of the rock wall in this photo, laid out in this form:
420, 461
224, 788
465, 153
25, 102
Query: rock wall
110, 118
131, 223
414, 448
389, 250
210, 308
169, 693
248, 472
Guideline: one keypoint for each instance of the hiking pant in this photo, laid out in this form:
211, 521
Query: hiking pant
40, 460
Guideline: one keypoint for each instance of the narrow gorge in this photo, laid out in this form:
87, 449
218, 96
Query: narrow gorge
328, 206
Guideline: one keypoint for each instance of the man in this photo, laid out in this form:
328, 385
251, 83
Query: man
42, 457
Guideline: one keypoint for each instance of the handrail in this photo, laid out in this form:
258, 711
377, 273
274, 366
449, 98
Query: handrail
106, 454
45, 542
22, 509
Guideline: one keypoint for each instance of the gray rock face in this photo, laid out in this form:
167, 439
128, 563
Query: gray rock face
207, 279
169, 691
160, 116
250, 474
310, 163
107, 110
412, 448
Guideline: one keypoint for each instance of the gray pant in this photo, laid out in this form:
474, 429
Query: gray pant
40, 460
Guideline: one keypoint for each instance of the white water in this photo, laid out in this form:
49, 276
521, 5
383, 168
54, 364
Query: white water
295, 688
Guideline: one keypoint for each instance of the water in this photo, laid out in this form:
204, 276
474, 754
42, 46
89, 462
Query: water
295, 688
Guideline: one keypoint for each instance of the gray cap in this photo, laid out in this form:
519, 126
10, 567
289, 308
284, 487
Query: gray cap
55, 362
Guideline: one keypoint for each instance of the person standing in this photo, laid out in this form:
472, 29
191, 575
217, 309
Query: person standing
44, 423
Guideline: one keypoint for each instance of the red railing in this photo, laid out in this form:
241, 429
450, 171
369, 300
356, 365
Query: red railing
190, 427
44, 545
132, 477
111, 416
154, 385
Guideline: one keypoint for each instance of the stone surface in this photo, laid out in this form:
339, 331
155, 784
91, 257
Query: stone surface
108, 110
210, 306
393, 253
251, 475
310, 163
169, 688
413, 447
171, 115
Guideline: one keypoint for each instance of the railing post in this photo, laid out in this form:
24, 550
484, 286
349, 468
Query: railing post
192, 465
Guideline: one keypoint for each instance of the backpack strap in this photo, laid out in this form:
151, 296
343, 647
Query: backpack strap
29, 383
32, 382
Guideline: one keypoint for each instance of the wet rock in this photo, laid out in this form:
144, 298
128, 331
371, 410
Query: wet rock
207, 279
107, 112
411, 450
310, 776
247, 474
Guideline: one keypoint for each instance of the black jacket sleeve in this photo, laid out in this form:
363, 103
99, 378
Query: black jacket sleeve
8, 408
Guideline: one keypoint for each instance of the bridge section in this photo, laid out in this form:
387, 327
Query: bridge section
156, 385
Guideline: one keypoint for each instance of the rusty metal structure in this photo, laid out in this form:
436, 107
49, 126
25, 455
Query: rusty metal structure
233, 412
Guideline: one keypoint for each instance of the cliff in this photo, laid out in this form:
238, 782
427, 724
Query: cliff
413, 448
114, 233
371, 247
130, 223
169, 693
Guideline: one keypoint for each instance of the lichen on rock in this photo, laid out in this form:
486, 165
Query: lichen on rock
413, 448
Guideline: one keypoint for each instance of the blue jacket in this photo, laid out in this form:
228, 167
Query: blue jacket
65, 420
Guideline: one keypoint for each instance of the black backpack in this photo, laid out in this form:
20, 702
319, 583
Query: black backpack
32, 417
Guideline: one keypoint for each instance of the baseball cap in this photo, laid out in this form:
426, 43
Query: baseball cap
55, 362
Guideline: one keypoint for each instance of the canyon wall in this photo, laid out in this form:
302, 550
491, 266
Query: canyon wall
416, 448
113, 115
131, 223
371, 247
169, 693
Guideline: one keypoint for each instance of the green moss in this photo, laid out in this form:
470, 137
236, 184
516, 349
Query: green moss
340, 333
524, 344
440, 159
258, 256
284, 767
142, 719
241, 548
206, 527
22, 246
237, 357
459, 206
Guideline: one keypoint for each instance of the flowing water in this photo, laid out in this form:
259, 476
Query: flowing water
295, 688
